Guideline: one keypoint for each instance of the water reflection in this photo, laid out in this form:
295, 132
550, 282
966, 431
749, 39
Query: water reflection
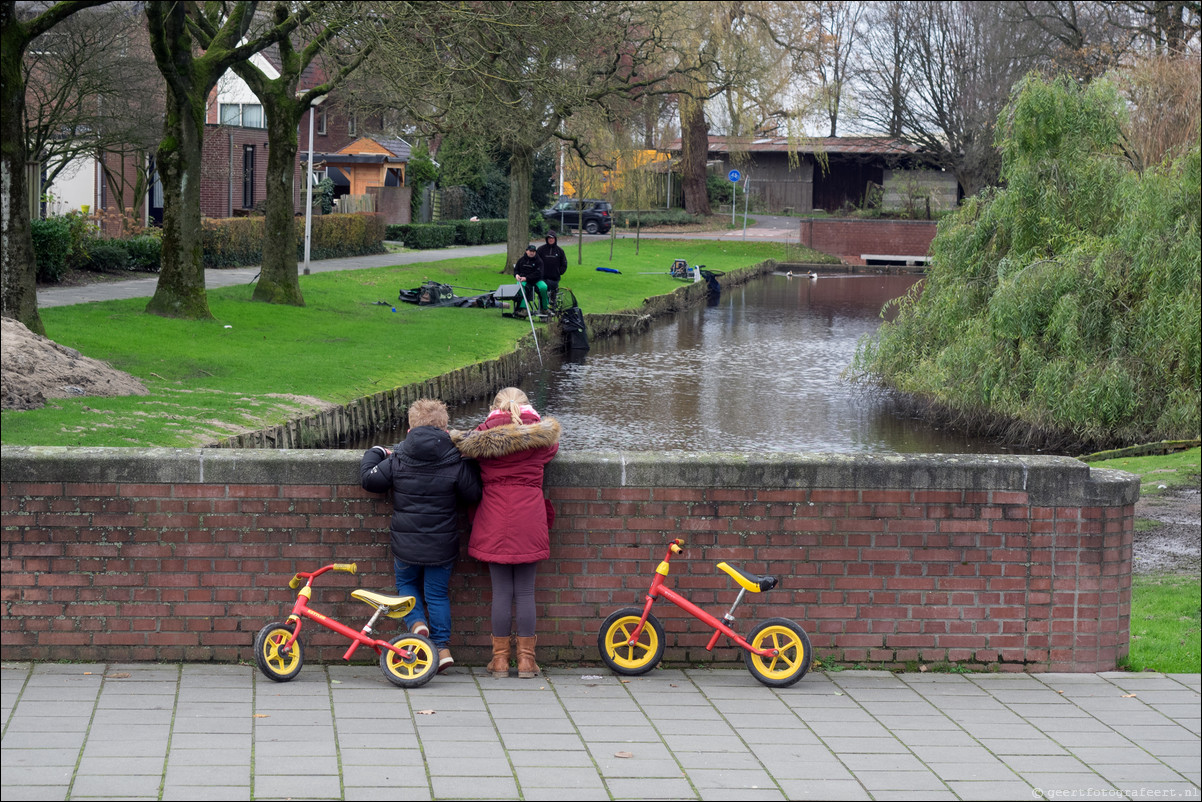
757, 372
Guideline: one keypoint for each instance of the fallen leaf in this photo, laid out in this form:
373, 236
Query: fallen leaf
335, 682
262, 715
673, 685
623, 754
117, 675
1128, 696
922, 669
87, 673
425, 712
838, 693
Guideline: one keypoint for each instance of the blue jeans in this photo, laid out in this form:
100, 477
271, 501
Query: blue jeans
428, 584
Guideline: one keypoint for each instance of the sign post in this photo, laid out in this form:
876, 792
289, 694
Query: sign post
734, 176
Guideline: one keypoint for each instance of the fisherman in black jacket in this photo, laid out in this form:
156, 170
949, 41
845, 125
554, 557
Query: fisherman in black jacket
555, 264
529, 270
429, 481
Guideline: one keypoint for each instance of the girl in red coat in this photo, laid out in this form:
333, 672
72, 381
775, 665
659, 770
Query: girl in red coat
510, 531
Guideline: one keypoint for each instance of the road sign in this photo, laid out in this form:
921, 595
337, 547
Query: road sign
734, 176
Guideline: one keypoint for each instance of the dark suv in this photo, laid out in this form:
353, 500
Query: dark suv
597, 214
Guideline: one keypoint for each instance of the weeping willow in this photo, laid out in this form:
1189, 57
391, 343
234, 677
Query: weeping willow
1064, 306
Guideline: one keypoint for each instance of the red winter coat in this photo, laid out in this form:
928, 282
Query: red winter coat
511, 524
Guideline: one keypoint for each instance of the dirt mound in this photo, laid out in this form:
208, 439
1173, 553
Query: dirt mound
33, 368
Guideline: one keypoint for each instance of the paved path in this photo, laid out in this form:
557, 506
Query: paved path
774, 229
204, 731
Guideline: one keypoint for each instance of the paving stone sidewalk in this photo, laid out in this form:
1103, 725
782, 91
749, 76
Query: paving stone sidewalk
203, 731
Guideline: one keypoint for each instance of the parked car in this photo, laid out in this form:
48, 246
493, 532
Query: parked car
567, 214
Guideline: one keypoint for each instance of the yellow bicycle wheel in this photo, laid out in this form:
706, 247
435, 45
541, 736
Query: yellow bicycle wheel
627, 658
273, 659
792, 659
415, 672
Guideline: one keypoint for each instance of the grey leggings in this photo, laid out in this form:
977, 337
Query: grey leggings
512, 586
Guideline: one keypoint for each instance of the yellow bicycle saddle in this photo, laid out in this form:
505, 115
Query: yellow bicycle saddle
751, 582
394, 606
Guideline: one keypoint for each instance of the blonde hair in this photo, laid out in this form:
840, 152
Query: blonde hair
428, 412
511, 400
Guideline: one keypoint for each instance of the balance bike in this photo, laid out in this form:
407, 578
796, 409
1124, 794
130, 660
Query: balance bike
408, 660
777, 652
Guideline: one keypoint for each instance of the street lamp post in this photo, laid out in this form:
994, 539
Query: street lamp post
317, 101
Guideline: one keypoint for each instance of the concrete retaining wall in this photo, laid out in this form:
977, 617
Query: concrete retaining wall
1018, 563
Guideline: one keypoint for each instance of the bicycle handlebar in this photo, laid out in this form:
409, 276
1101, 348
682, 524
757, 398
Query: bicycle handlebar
299, 577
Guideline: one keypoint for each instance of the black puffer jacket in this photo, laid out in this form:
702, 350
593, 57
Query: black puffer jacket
555, 261
429, 479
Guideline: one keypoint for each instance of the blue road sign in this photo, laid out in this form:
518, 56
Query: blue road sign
734, 176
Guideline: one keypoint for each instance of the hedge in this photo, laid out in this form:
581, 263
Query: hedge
423, 236
238, 241
648, 218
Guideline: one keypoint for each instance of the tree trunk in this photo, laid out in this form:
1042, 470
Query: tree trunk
181, 287
694, 150
278, 282
521, 176
18, 273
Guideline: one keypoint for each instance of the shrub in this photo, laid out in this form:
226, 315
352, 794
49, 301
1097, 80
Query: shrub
145, 252
107, 256
52, 247
495, 230
468, 232
423, 236
337, 235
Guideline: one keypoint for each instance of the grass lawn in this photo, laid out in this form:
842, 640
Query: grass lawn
258, 365
1165, 624
1158, 473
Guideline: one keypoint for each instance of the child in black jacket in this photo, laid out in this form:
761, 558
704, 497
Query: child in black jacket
429, 480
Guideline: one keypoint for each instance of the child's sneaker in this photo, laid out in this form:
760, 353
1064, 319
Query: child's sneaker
420, 628
445, 660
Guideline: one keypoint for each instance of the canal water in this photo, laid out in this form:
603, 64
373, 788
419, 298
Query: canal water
758, 371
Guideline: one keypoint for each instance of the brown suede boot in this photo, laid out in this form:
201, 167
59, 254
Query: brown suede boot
527, 668
499, 667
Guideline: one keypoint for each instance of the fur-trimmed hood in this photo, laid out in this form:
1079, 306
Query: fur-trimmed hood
511, 438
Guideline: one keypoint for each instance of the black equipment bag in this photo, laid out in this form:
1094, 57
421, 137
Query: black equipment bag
571, 321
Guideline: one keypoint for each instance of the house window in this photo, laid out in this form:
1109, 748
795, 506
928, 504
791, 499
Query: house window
246, 115
248, 176
321, 121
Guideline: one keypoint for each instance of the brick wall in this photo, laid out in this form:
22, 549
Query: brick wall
1019, 563
849, 239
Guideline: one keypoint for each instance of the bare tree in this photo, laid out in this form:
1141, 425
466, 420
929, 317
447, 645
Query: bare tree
962, 59
190, 75
284, 109
839, 27
18, 281
511, 73
883, 70
91, 86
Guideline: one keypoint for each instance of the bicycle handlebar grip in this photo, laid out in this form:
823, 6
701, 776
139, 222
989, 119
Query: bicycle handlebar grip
294, 582
348, 568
